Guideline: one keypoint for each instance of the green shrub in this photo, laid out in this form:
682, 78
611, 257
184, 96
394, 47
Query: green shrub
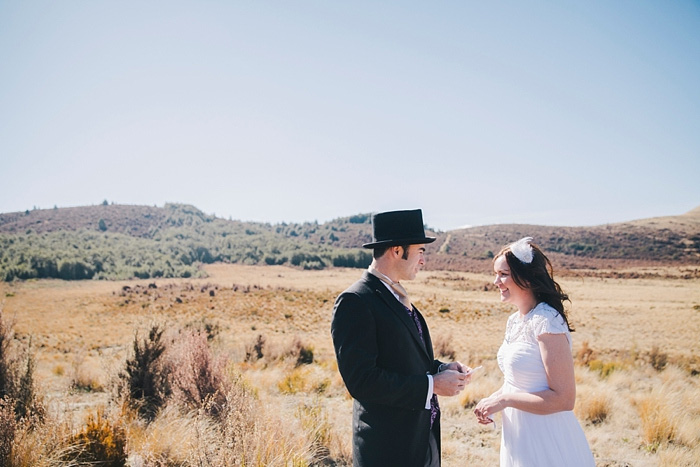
146, 382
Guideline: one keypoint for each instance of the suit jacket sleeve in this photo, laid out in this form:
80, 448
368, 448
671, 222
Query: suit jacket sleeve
376, 358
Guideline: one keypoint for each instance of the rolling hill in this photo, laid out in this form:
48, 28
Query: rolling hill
123, 241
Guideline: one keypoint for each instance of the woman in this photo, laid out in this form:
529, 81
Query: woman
539, 391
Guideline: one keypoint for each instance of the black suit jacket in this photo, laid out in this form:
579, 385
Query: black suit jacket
384, 364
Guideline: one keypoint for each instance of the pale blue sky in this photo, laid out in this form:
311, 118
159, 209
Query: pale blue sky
557, 113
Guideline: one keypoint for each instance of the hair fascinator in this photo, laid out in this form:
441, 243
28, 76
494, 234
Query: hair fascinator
523, 250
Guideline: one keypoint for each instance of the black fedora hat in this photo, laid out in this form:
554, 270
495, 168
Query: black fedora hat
394, 228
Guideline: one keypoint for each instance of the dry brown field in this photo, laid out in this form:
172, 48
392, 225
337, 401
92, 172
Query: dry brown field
636, 346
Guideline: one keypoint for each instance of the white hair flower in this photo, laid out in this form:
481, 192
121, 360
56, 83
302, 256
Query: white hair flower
523, 250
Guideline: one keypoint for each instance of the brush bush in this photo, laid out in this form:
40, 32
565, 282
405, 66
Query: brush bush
198, 376
100, 442
146, 378
17, 376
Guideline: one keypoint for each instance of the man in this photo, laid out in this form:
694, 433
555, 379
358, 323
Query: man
385, 354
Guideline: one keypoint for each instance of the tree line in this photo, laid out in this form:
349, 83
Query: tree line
172, 242
175, 252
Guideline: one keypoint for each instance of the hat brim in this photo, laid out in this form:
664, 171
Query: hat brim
406, 241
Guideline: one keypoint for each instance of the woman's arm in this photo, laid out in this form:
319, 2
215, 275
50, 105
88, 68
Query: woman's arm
559, 397
559, 366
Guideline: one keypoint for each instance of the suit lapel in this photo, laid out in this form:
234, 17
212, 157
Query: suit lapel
401, 313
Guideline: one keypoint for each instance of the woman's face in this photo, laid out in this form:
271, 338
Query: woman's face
510, 291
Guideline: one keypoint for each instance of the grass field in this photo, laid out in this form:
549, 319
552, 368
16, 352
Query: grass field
636, 346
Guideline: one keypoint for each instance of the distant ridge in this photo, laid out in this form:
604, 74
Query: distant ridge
688, 222
121, 241
693, 213
669, 240
137, 221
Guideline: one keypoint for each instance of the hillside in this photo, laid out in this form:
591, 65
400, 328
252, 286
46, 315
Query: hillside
673, 240
118, 241
122, 241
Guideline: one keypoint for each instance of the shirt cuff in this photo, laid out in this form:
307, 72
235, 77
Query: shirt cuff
430, 392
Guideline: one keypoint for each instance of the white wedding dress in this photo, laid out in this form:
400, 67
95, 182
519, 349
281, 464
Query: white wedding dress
528, 439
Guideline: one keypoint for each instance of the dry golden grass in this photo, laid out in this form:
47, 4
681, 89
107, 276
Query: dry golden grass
592, 406
631, 412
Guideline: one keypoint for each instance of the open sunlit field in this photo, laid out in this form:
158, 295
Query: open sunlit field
636, 347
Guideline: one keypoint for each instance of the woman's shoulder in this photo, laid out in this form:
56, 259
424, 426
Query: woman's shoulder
545, 310
547, 319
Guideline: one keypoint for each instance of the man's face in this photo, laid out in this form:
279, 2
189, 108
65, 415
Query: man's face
413, 262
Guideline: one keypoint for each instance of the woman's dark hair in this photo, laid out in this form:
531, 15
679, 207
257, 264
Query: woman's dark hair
538, 277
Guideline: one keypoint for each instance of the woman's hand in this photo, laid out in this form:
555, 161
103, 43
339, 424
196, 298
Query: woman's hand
486, 407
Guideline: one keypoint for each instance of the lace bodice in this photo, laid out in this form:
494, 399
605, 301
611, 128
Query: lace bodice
540, 320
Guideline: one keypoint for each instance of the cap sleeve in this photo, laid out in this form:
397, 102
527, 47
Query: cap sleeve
549, 321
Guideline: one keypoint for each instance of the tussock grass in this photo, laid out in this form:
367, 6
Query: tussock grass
604, 369
40, 444
276, 408
658, 420
592, 406
443, 348
85, 375
294, 381
325, 443
255, 435
675, 456
669, 413
174, 437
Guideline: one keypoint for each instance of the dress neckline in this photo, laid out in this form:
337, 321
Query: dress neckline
526, 316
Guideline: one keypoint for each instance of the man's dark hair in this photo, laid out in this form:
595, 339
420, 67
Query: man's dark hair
379, 252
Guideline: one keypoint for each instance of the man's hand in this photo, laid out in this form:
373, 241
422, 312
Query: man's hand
456, 366
451, 381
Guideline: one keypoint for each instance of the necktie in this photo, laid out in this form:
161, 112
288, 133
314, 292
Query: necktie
395, 286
